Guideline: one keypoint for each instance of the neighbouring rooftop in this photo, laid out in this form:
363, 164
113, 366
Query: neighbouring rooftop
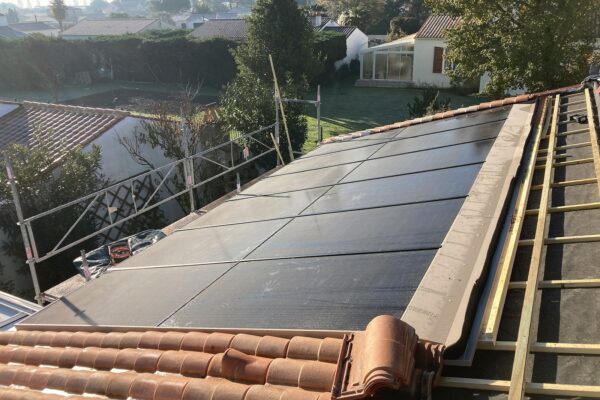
221, 28
109, 27
435, 26
62, 127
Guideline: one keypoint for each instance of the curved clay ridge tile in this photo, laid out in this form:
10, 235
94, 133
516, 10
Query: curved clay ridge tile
389, 354
450, 114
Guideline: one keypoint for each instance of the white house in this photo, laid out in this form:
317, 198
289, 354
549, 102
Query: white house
6, 32
189, 21
415, 60
69, 127
356, 40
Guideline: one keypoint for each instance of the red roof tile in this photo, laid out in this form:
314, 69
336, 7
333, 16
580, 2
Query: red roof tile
158, 365
436, 25
63, 127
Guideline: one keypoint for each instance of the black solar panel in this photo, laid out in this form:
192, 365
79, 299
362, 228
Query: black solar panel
328, 242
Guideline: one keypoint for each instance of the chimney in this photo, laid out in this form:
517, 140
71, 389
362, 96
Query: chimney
318, 19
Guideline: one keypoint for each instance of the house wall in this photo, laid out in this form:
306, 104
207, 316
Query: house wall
5, 108
355, 43
118, 164
423, 74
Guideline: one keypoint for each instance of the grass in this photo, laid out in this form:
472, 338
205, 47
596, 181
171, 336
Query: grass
346, 108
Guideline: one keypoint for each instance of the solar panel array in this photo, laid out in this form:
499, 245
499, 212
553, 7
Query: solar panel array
329, 241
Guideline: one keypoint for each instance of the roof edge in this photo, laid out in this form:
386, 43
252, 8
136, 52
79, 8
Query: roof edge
77, 109
524, 98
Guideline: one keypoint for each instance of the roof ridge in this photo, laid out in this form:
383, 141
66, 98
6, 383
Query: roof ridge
76, 109
451, 113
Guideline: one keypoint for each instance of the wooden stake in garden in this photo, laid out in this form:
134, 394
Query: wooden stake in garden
278, 99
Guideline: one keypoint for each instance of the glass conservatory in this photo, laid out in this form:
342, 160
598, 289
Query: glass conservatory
390, 62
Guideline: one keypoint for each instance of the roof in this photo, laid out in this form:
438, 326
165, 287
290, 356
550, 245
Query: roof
324, 21
330, 212
6, 32
436, 25
111, 27
221, 28
65, 127
31, 26
294, 248
192, 364
13, 309
345, 30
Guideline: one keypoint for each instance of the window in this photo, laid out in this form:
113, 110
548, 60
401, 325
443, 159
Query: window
367, 66
381, 66
438, 60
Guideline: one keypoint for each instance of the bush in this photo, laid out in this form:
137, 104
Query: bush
427, 104
171, 56
171, 59
329, 47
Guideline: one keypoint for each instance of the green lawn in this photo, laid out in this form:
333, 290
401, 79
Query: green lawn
346, 108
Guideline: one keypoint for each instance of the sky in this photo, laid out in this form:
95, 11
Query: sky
36, 3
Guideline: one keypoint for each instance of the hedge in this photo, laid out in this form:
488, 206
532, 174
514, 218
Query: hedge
37, 62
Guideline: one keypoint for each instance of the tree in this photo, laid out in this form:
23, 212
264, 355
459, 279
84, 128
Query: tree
44, 184
118, 15
521, 44
279, 28
211, 5
59, 11
405, 16
361, 13
192, 132
169, 6
97, 6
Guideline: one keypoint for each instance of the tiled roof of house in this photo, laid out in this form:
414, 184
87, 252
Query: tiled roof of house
221, 28
171, 365
451, 114
6, 32
436, 26
345, 30
324, 21
31, 26
64, 127
109, 27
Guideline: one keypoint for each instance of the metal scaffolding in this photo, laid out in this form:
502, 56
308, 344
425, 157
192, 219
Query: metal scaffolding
163, 174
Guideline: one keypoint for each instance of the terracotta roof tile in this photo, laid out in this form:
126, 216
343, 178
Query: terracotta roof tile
63, 127
452, 113
436, 25
162, 365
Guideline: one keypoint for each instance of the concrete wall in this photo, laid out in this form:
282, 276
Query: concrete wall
423, 74
355, 43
